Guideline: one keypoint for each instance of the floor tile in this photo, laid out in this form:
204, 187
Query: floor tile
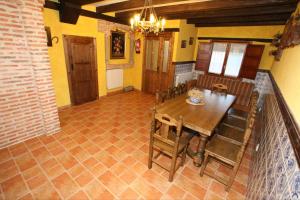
145, 189
84, 178
176, 192
97, 191
36, 181
113, 183
65, 185
14, 187
102, 153
79, 196
46, 191
25, 161
129, 194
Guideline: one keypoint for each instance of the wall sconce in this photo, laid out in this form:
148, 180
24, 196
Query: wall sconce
49, 38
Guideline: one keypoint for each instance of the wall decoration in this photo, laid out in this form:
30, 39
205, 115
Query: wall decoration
49, 39
117, 45
138, 46
191, 41
289, 38
291, 33
183, 44
106, 27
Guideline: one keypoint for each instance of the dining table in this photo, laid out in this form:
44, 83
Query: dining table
203, 118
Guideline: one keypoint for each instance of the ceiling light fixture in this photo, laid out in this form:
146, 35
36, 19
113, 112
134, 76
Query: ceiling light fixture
147, 21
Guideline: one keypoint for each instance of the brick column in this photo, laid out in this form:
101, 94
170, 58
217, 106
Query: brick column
27, 101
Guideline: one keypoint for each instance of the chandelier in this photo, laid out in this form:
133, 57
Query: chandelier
147, 21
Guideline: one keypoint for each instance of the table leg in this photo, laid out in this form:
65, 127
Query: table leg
198, 158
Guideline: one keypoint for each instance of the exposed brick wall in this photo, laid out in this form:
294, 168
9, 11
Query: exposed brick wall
27, 101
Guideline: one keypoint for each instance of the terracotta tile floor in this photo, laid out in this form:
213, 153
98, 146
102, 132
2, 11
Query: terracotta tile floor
101, 153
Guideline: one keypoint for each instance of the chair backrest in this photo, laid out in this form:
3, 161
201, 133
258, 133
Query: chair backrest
253, 105
182, 88
219, 87
171, 92
168, 125
160, 96
247, 135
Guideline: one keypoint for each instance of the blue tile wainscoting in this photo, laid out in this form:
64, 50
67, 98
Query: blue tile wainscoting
274, 169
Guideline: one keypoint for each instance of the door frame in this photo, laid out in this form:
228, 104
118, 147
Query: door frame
171, 69
68, 67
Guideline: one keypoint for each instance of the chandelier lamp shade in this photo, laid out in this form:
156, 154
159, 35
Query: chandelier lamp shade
147, 21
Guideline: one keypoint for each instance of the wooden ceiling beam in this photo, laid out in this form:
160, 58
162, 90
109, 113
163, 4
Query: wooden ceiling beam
254, 18
284, 9
215, 5
82, 2
133, 4
69, 13
266, 23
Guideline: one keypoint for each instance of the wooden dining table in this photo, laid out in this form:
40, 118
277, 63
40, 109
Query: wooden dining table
200, 118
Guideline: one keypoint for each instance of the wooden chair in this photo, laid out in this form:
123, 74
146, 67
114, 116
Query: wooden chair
182, 88
177, 90
240, 114
238, 123
171, 92
234, 135
160, 97
221, 88
169, 140
191, 84
228, 153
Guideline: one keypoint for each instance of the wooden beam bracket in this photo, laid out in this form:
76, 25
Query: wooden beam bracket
69, 13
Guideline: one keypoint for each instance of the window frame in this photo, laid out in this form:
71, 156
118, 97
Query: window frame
229, 42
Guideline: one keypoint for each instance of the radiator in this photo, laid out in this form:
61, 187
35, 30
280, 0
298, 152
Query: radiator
183, 77
114, 78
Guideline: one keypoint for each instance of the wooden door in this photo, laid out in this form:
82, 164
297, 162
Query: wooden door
151, 64
158, 71
82, 68
251, 61
204, 55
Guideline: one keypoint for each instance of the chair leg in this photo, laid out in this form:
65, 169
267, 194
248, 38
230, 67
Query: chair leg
150, 156
183, 156
231, 179
172, 169
206, 159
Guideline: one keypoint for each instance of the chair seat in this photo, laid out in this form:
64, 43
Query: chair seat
230, 134
183, 141
223, 150
235, 123
240, 114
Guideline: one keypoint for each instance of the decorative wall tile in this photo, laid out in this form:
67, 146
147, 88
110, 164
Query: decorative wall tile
183, 68
274, 173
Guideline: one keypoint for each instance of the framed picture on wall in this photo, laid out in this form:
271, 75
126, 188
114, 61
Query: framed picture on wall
138, 46
191, 41
117, 45
183, 44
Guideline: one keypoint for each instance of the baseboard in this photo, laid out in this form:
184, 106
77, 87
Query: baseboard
63, 107
120, 91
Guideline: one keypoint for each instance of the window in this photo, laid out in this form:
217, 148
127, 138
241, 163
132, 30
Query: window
217, 58
229, 59
235, 59
226, 58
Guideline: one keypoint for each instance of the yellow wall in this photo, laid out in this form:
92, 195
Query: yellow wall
286, 73
84, 27
246, 32
134, 75
186, 31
